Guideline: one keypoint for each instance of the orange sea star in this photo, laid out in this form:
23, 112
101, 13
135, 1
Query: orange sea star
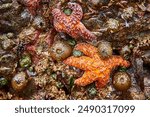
96, 68
71, 24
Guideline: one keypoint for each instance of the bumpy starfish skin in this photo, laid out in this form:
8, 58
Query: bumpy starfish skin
71, 24
96, 69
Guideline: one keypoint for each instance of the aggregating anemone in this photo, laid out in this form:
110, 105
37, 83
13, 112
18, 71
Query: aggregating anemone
121, 81
60, 50
19, 81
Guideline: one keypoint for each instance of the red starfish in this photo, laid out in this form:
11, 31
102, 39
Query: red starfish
71, 24
96, 68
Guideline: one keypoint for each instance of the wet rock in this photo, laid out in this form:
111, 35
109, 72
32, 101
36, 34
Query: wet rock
3, 95
12, 18
42, 65
96, 4
147, 84
146, 57
7, 44
135, 93
8, 64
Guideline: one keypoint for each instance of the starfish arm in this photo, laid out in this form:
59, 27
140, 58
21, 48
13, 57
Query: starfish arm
83, 62
87, 49
118, 61
74, 33
87, 78
103, 78
58, 26
102, 81
77, 11
58, 15
85, 33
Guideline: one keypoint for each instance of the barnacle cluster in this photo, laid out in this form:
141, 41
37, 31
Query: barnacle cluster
74, 49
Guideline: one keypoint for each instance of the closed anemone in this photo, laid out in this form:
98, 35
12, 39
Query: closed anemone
19, 81
105, 49
60, 50
121, 81
39, 23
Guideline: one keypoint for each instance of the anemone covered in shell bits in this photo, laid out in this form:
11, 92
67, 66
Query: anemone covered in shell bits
60, 50
19, 81
121, 81
125, 52
105, 49
39, 23
7, 63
